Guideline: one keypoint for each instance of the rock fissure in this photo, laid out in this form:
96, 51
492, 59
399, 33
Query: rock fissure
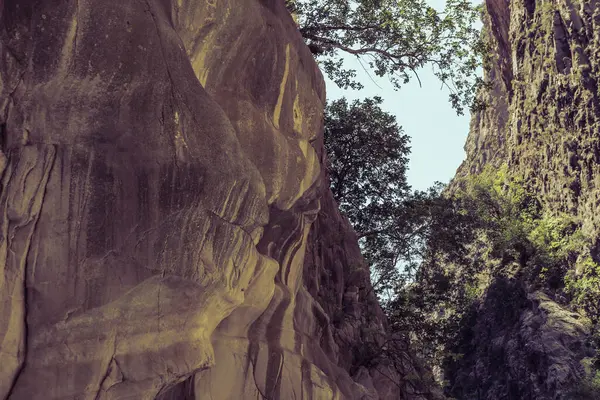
108, 370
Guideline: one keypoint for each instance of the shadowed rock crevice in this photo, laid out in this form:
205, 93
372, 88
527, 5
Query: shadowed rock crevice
179, 391
562, 48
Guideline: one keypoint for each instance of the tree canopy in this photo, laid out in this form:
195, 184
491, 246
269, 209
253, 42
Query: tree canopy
396, 38
435, 254
368, 156
367, 153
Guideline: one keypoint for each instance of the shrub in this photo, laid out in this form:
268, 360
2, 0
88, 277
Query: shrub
588, 389
583, 284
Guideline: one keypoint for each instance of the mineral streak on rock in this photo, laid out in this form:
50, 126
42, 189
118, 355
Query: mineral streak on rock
161, 170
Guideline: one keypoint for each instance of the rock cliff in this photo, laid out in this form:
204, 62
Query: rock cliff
167, 231
542, 123
542, 116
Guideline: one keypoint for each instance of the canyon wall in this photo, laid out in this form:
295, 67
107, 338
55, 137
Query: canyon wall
166, 227
542, 123
543, 108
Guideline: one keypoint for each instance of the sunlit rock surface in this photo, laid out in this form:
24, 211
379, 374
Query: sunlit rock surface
166, 228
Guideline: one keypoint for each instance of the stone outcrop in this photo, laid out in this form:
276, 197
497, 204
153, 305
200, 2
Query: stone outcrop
166, 227
520, 345
543, 109
541, 121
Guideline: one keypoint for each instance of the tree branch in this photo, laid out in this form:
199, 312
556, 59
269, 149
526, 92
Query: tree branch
341, 28
393, 58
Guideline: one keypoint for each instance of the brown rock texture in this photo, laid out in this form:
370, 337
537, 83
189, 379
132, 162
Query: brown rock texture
166, 228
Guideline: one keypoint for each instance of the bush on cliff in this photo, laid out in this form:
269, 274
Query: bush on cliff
496, 231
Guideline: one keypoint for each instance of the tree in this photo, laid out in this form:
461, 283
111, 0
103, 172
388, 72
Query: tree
367, 153
396, 38
368, 156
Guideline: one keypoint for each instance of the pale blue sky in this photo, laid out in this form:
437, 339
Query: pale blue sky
437, 133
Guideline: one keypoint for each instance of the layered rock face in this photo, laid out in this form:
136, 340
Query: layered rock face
161, 166
542, 121
543, 115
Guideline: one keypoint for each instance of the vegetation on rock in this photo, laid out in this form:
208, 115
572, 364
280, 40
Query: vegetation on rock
485, 268
512, 240
439, 256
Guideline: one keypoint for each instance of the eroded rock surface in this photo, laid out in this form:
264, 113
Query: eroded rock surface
542, 122
161, 166
543, 112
